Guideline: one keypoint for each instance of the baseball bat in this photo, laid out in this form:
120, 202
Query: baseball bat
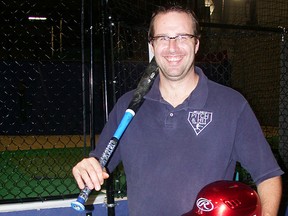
143, 87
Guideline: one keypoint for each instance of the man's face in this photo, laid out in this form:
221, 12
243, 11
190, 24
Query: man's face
174, 57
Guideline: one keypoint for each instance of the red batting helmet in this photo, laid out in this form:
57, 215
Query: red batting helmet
226, 198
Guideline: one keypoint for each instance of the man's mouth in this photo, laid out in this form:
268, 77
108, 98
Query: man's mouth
173, 59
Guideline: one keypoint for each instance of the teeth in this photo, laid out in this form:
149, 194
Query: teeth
172, 59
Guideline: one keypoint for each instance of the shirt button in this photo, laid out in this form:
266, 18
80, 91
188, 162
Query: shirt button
171, 114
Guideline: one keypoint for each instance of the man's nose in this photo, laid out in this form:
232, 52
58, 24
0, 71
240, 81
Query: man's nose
172, 45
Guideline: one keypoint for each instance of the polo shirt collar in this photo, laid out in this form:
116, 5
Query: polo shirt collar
196, 99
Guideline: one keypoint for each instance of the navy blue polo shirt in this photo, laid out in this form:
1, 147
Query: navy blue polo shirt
169, 153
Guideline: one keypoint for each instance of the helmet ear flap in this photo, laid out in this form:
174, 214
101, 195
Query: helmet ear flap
226, 198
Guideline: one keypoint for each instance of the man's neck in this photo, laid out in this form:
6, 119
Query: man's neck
176, 92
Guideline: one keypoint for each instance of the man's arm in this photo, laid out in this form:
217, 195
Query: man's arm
270, 192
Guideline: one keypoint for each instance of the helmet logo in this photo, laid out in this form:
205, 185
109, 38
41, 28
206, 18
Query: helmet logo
204, 204
199, 120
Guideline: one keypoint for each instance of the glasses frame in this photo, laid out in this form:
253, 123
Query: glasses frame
168, 38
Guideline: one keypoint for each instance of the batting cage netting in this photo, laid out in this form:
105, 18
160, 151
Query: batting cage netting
64, 64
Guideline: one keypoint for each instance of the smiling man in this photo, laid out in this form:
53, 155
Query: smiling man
188, 133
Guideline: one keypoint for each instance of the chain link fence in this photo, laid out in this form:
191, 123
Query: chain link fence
45, 113
41, 124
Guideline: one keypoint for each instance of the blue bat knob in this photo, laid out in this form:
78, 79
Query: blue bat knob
78, 205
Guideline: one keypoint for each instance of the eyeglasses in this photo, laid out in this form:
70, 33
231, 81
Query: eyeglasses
164, 39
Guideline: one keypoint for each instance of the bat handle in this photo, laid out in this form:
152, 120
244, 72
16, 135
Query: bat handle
125, 121
78, 205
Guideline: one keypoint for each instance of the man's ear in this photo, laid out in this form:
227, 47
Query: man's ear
197, 45
151, 51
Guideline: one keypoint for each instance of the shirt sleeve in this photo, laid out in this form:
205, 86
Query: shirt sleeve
252, 149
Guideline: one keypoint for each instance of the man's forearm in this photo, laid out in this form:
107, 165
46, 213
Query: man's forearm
270, 192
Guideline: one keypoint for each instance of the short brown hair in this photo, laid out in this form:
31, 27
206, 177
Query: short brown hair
172, 7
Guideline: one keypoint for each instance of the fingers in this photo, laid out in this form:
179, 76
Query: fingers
89, 172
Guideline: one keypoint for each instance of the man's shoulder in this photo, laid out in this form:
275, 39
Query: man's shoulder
126, 97
227, 90
124, 100
226, 95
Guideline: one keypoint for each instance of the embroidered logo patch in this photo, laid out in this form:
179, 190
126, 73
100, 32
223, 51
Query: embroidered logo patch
199, 120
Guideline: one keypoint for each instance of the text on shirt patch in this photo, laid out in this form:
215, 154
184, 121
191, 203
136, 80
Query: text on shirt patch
199, 120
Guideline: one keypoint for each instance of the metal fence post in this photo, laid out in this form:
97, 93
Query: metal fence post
283, 100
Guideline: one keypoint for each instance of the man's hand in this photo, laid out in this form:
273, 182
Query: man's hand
89, 172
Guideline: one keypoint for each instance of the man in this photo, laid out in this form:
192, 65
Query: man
189, 131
